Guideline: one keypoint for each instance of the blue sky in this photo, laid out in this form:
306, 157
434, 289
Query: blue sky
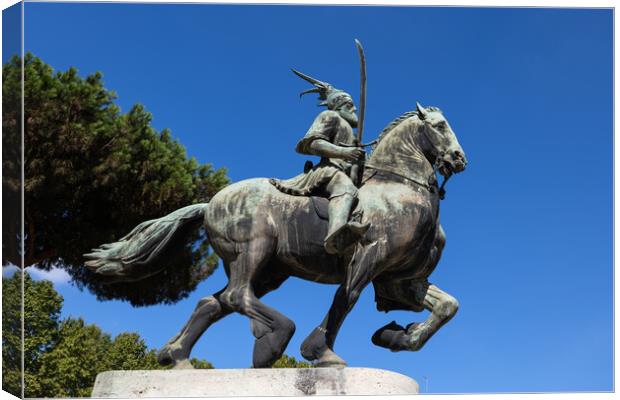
529, 224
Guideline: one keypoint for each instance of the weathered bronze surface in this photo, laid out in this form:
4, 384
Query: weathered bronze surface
266, 233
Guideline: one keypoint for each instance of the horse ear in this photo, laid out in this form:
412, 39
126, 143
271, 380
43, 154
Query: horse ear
421, 110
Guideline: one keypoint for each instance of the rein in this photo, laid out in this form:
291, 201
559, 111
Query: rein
442, 190
431, 182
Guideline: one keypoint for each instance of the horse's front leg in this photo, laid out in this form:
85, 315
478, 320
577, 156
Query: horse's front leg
319, 345
442, 307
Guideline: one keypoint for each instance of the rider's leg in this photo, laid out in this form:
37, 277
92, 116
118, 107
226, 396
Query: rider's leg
177, 350
342, 198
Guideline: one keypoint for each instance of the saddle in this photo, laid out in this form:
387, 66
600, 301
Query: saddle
321, 207
320, 204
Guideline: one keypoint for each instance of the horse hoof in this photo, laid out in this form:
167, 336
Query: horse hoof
167, 357
329, 359
183, 364
392, 336
417, 335
164, 357
314, 345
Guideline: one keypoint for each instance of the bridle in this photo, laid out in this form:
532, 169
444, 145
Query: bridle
430, 183
439, 160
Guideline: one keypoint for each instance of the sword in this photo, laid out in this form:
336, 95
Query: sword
357, 170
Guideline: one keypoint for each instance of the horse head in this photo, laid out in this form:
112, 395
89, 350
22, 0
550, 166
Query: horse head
416, 145
441, 146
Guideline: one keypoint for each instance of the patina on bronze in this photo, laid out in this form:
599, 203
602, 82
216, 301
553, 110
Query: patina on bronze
265, 236
331, 138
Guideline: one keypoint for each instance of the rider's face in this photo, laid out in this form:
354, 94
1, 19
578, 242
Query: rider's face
347, 111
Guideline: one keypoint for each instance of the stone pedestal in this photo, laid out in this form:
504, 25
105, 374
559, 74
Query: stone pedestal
252, 382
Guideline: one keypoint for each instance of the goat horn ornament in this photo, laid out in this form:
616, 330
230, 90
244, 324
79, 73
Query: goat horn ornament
321, 88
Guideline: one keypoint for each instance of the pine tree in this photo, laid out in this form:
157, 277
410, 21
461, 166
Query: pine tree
91, 175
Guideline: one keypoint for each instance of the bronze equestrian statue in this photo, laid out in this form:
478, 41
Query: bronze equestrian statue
265, 236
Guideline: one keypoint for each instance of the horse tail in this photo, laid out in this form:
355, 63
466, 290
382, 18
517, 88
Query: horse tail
132, 257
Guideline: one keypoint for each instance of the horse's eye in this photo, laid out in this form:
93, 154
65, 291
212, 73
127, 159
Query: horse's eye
441, 125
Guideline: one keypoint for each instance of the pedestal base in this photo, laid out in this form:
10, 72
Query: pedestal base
252, 382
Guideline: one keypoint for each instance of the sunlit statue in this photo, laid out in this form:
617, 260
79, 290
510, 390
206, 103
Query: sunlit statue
266, 232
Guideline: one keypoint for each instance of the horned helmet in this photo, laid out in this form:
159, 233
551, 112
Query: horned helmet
331, 97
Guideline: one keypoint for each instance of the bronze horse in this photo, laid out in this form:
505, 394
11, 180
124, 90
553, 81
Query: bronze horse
264, 236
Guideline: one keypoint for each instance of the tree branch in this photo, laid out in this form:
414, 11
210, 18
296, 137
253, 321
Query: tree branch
11, 251
30, 261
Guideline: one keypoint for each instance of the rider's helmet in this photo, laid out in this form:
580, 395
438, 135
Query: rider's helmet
331, 97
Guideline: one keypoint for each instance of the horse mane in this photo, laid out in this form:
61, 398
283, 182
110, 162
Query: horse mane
397, 122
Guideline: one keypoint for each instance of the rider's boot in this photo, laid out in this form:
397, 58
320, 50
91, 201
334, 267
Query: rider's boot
342, 233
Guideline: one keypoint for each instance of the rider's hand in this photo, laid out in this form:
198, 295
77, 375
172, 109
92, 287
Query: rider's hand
353, 154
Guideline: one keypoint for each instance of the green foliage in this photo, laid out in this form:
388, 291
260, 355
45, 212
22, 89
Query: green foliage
11, 162
42, 305
200, 364
129, 352
62, 358
91, 175
290, 362
70, 367
11, 335
41, 326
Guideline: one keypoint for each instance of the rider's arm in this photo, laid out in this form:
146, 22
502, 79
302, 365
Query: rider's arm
319, 140
323, 148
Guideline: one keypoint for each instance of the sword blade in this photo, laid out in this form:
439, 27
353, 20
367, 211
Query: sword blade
362, 111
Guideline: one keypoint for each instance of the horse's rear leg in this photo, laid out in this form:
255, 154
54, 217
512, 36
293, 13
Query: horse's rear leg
272, 330
177, 350
442, 307
208, 311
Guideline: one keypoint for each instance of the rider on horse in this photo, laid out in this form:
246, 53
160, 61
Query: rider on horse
331, 138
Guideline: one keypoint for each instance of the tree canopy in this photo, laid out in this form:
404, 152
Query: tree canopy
290, 362
91, 175
61, 357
